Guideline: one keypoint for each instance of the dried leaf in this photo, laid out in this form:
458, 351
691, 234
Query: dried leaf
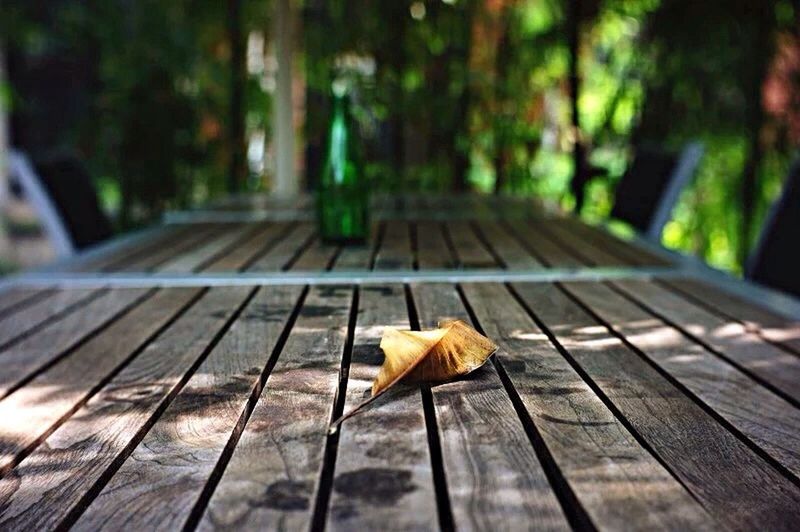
453, 350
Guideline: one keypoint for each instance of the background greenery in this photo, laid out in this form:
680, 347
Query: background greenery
454, 95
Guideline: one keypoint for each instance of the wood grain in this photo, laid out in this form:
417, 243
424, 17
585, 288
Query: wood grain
383, 477
542, 246
204, 253
40, 312
55, 478
432, 250
508, 248
588, 251
395, 250
28, 356
616, 481
244, 252
736, 487
494, 477
317, 256
281, 254
769, 421
31, 412
728, 337
272, 476
13, 299
192, 239
165, 236
756, 318
160, 482
470, 251
627, 251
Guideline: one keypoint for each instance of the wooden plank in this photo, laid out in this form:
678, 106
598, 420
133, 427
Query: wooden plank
538, 242
281, 254
470, 251
508, 248
159, 484
726, 337
118, 257
751, 314
160, 255
769, 421
358, 257
395, 252
271, 479
616, 481
243, 253
626, 250
30, 413
54, 481
316, 257
432, 250
14, 299
383, 468
736, 487
204, 253
587, 251
25, 358
40, 312
474, 415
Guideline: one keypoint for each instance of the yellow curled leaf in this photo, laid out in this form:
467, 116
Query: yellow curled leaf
453, 350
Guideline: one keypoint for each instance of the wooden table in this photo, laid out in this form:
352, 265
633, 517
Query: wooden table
186, 377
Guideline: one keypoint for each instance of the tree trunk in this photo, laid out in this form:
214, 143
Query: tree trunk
755, 121
460, 154
501, 157
580, 174
237, 170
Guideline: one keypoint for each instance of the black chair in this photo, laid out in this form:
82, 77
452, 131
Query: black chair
650, 188
63, 195
776, 259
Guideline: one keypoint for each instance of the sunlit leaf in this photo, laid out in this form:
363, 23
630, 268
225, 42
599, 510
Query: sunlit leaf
450, 351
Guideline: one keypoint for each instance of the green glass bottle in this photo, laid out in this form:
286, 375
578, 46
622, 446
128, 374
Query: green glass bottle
343, 196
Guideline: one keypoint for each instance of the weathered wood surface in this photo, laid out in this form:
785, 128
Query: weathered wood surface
728, 338
734, 484
383, 478
432, 250
617, 482
54, 481
287, 249
244, 253
160, 482
115, 258
469, 250
206, 252
40, 312
766, 419
13, 299
31, 412
395, 250
543, 246
188, 241
491, 485
513, 254
770, 325
618, 405
24, 359
272, 477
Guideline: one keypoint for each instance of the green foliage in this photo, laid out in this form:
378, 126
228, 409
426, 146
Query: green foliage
464, 93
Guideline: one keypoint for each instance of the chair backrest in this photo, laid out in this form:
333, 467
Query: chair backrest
62, 193
776, 259
650, 188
